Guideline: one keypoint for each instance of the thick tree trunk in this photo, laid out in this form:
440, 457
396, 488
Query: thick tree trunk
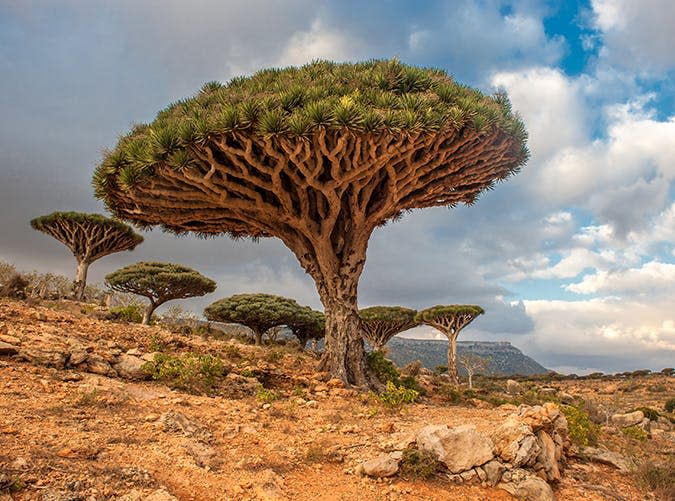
258, 337
147, 313
452, 359
80, 280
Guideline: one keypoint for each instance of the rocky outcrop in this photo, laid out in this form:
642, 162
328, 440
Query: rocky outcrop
628, 419
526, 452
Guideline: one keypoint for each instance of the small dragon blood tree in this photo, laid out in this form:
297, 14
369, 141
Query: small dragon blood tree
317, 156
89, 237
159, 282
258, 312
308, 324
381, 323
450, 320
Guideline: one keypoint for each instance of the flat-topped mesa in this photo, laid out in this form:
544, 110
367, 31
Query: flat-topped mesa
318, 156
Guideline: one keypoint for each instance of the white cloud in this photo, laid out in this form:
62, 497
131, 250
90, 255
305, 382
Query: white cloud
637, 35
651, 278
319, 42
620, 334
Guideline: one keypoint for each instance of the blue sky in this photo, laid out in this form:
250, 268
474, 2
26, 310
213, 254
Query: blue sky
573, 259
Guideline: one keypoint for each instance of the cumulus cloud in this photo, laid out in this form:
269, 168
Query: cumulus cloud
651, 278
637, 35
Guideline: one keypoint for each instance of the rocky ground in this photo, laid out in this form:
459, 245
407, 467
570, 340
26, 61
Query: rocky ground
79, 421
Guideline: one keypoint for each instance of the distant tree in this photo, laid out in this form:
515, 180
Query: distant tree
308, 324
89, 237
159, 282
258, 312
319, 157
380, 323
450, 320
473, 364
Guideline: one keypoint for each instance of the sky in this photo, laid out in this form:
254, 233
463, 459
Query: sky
573, 258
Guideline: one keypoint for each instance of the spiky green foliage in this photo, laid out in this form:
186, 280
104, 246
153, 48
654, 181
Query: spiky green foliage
380, 323
159, 282
89, 237
75, 230
258, 312
443, 311
372, 96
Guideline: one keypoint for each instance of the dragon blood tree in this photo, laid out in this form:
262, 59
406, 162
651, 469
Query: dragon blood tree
89, 237
318, 156
159, 282
450, 320
381, 323
308, 324
258, 312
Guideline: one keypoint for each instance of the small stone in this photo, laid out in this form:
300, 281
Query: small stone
8, 349
382, 466
130, 367
312, 404
468, 475
481, 473
493, 471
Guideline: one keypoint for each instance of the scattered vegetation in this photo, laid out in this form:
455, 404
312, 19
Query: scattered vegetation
191, 372
132, 313
418, 464
658, 478
635, 432
669, 406
582, 431
265, 396
397, 396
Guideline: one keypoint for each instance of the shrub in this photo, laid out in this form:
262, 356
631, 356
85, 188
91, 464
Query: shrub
582, 431
265, 396
658, 388
191, 371
659, 478
14, 287
417, 464
132, 313
450, 393
649, 413
635, 433
384, 369
668, 371
397, 396
412, 368
669, 406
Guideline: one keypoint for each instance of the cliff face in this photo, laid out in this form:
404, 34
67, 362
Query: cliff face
504, 358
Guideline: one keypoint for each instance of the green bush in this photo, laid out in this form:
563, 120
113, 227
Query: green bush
417, 464
265, 396
670, 405
582, 431
649, 413
384, 369
132, 313
635, 432
191, 371
397, 396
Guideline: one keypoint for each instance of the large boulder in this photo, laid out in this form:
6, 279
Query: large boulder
459, 448
546, 463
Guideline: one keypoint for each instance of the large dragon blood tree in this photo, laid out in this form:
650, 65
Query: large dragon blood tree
318, 156
89, 237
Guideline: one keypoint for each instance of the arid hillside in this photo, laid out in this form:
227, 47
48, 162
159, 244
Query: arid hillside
92, 409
